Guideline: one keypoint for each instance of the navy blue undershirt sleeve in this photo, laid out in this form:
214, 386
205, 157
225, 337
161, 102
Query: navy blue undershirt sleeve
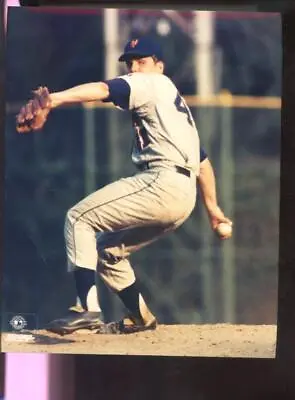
203, 154
119, 92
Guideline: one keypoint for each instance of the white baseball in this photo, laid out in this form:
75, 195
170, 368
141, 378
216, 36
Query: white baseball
224, 229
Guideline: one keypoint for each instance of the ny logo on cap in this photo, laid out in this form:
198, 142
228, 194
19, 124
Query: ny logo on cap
133, 43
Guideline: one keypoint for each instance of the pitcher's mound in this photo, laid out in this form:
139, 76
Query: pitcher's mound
216, 340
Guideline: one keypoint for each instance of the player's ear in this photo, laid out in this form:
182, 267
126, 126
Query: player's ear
161, 66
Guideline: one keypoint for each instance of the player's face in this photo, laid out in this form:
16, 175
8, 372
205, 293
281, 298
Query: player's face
144, 64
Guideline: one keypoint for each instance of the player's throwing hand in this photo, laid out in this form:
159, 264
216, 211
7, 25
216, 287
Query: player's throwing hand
218, 219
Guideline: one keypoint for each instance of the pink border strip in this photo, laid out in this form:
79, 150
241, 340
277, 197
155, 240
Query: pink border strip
9, 3
26, 376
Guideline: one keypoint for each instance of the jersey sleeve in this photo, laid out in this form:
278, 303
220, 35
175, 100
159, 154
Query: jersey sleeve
129, 91
203, 154
140, 89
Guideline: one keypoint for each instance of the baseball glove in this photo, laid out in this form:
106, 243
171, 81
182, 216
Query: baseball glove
33, 115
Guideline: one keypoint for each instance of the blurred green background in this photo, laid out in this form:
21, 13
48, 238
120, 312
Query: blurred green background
190, 276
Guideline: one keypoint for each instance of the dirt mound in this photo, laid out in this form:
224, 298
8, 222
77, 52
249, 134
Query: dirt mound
217, 340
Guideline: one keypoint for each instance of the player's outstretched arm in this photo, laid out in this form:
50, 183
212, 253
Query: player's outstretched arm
94, 91
33, 115
207, 184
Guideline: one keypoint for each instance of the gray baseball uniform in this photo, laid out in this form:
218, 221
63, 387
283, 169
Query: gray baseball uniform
106, 227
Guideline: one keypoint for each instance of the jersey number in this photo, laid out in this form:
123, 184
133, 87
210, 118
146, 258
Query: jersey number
182, 107
141, 135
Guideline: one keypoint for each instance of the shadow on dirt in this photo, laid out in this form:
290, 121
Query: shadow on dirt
48, 340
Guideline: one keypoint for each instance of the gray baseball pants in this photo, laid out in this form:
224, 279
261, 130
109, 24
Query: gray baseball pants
106, 227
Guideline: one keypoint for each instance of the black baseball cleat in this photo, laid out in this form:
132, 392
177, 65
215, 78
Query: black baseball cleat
74, 321
127, 325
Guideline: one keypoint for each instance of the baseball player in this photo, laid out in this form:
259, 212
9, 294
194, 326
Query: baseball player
106, 227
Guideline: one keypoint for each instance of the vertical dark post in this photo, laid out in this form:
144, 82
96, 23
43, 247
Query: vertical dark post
3, 8
286, 313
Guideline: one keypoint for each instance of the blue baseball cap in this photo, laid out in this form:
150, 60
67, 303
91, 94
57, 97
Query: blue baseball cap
142, 47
